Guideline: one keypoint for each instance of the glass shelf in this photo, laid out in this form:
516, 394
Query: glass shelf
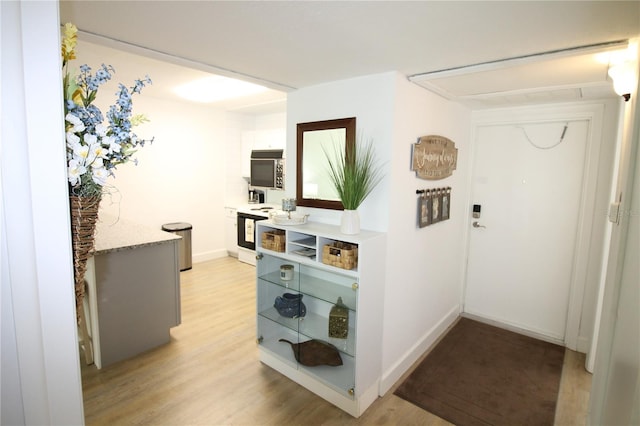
274, 278
313, 326
318, 287
340, 378
321, 286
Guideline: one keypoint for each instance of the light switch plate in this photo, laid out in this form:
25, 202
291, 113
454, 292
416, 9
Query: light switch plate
614, 212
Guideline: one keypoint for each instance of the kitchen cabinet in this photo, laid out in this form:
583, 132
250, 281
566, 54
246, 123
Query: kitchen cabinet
354, 385
230, 231
260, 139
270, 139
132, 306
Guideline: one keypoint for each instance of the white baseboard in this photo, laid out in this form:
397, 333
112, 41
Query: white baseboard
209, 255
515, 328
393, 374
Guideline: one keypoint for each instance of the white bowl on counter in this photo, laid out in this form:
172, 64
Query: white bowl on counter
280, 218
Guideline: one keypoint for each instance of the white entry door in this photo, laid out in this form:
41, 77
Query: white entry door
522, 249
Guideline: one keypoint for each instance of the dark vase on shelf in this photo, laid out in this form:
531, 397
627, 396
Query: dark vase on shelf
290, 305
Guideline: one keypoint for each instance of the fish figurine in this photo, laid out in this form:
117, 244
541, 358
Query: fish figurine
315, 352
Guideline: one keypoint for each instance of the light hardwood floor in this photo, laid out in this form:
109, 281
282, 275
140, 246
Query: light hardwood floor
209, 374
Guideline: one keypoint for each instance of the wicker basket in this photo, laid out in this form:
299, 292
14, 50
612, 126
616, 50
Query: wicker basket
274, 240
341, 255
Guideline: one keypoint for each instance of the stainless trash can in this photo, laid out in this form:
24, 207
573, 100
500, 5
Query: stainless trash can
182, 229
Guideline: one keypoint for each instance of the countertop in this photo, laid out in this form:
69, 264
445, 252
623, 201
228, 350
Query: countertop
115, 234
261, 209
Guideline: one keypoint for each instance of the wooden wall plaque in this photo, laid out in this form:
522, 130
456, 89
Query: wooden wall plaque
434, 157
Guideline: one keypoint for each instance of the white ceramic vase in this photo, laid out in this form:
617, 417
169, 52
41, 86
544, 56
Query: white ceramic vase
350, 223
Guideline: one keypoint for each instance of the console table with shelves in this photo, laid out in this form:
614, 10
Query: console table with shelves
354, 385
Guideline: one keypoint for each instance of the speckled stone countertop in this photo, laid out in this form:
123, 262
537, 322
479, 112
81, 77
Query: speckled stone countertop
116, 234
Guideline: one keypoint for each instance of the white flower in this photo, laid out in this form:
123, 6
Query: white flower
101, 130
114, 146
92, 146
78, 125
73, 119
100, 175
97, 163
81, 151
72, 139
75, 171
97, 151
90, 139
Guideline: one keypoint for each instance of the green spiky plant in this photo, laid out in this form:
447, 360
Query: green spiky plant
354, 175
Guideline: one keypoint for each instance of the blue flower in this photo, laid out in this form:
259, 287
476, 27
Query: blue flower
87, 136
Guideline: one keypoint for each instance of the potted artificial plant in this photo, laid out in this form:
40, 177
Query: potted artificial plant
354, 175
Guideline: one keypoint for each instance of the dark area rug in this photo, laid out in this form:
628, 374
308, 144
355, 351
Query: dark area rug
483, 375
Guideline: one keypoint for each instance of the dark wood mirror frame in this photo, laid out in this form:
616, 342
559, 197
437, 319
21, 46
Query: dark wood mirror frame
349, 124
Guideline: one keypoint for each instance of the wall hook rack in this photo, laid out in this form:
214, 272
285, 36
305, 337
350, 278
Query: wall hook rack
434, 205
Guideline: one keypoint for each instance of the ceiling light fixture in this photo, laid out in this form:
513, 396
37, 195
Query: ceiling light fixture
622, 70
217, 88
624, 79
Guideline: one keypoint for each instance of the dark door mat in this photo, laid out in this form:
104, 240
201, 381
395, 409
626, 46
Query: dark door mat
483, 375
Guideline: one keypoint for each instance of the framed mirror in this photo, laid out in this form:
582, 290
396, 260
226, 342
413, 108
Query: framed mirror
313, 184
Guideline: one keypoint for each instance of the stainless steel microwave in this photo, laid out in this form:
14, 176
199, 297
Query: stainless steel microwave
267, 168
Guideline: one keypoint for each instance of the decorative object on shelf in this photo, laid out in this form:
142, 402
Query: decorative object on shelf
288, 205
274, 240
340, 254
434, 157
350, 222
288, 219
286, 272
354, 175
315, 352
339, 320
290, 305
434, 205
94, 150
306, 252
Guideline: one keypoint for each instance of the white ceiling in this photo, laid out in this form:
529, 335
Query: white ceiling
287, 45
166, 76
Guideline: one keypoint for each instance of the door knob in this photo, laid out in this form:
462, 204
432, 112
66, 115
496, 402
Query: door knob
476, 224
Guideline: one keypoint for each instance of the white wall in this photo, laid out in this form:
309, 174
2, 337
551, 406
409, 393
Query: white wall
423, 282
40, 370
180, 177
616, 381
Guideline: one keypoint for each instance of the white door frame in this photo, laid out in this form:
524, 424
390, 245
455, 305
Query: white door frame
593, 113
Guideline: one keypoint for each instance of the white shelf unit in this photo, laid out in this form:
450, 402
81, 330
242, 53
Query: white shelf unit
354, 385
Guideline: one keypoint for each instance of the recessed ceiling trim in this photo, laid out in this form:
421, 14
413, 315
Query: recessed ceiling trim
528, 91
435, 88
519, 60
177, 60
